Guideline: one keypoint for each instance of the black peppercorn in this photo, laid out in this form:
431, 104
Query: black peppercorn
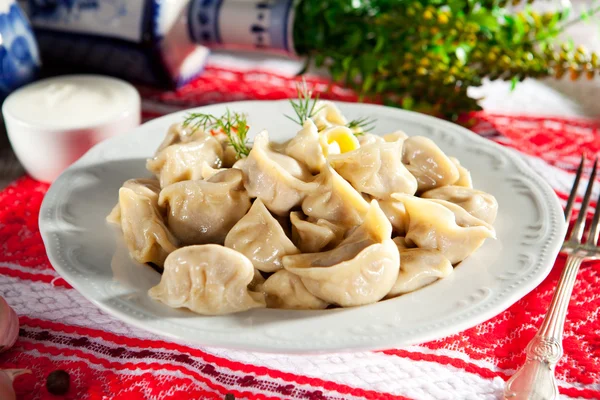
229, 396
58, 382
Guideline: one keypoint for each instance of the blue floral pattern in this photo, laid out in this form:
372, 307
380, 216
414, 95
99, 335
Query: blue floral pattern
19, 56
49, 7
266, 21
64, 11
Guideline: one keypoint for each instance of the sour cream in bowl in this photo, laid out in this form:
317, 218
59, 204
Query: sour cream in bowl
53, 122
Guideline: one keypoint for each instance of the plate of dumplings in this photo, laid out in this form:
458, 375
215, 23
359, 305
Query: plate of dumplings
301, 227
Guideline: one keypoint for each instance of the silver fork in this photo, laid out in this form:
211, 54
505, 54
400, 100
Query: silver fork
535, 380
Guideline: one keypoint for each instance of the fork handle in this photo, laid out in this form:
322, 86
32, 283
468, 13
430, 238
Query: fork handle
535, 379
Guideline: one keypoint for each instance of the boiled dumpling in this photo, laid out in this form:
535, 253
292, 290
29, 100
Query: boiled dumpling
259, 237
397, 136
306, 147
204, 211
428, 163
286, 290
177, 133
326, 114
139, 216
256, 281
463, 173
208, 171
396, 213
376, 169
369, 138
144, 187
419, 268
208, 279
277, 179
439, 224
183, 161
477, 203
361, 270
229, 155
314, 236
335, 200
401, 243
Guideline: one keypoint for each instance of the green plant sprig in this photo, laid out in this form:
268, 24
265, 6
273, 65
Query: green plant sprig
304, 106
424, 54
364, 124
233, 124
196, 121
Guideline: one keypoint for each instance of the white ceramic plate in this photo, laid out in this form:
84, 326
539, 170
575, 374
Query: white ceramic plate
90, 255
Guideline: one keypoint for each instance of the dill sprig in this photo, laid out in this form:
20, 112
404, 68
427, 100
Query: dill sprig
233, 124
304, 106
198, 120
236, 130
364, 124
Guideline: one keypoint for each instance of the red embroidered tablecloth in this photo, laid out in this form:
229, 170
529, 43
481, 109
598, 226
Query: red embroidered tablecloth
108, 359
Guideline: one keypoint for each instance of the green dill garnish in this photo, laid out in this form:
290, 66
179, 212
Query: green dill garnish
238, 139
365, 124
199, 120
304, 107
232, 124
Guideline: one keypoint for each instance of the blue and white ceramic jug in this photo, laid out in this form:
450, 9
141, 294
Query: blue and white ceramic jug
158, 42
19, 56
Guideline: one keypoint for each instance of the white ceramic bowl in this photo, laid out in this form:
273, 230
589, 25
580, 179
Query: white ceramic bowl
53, 122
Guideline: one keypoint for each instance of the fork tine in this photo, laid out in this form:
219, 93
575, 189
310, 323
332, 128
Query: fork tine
595, 227
577, 232
571, 201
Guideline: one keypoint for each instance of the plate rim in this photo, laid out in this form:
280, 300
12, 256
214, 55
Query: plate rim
542, 266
